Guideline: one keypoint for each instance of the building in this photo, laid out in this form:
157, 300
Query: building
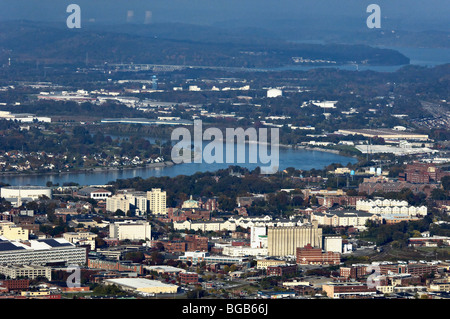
414, 269
242, 251
339, 290
93, 193
41, 252
130, 230
354, 271
385, 134
188, 278
10, 231
81, 238
26, 271
281, 270
283, 241
315, 256
164, 269
122, 266
205, 225
265, 263
390, 207
333, 244
157, 201
14, 284
33, 192
143, 286
422, 173
196, 243
258, 237
271, 93
197, 257
385, 185
117, 202
342, 218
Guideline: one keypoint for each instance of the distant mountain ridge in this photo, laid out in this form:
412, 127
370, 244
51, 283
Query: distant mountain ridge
166, 44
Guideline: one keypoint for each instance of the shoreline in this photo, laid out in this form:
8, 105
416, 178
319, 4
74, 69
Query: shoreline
89, 170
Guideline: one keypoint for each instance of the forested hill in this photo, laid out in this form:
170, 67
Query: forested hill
39, 42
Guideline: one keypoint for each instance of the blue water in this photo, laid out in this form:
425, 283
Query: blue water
300, 159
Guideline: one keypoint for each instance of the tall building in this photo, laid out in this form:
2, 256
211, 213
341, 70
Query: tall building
157, 201
284, 241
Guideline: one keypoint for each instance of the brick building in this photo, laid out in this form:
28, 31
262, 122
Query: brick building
126, 266
340, 290
380, 184
196, 243
176, 214
418, 269
315, 256
422, 173
188, 278
354, 271
15, 284
281, 270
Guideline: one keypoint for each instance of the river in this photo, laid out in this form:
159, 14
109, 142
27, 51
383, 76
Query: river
298, 158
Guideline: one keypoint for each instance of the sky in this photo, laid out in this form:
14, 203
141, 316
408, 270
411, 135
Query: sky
417, 15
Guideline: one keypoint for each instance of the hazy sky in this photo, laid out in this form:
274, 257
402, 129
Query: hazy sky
414, 14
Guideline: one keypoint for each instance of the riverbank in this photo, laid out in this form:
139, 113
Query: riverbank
89, 170
319, 149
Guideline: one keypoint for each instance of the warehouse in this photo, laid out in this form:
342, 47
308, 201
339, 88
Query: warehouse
142, 285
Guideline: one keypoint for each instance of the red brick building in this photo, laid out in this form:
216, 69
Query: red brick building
195, 242
115, 265
281, 270
422, 173
353, 272
413, 269
188, 278
15, 284
315, 256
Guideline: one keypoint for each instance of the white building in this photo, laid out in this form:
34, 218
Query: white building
390, 207
205, 225
242, 251
33, 192
271, 93
333, 244
143, 285
130, 230
81, 238
258, 237
41, 252
117, 202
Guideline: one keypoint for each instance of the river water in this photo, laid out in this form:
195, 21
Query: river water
298, 158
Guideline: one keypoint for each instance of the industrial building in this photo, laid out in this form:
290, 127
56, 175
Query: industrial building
283, 241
